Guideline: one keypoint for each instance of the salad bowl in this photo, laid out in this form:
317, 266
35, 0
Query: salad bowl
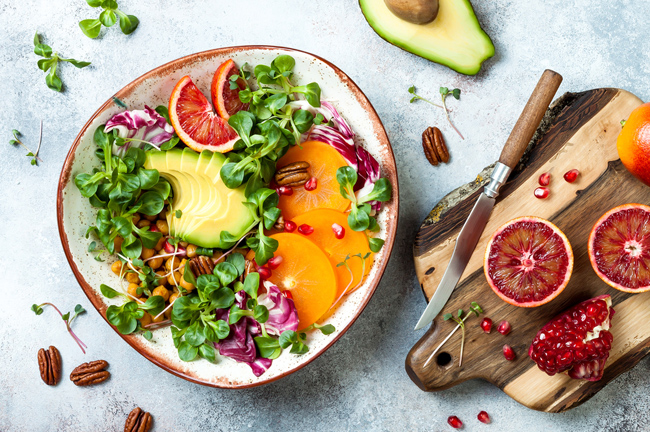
75, 214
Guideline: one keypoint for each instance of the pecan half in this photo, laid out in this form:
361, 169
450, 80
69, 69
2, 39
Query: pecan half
49, 363
294, 174
90, 373
138, 421
201, 265
279, 224
434, 146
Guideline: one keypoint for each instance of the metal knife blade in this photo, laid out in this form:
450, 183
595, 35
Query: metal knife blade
465, 245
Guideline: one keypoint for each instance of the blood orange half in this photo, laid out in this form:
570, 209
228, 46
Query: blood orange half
528, 261
224, 98
196, 123
619, 248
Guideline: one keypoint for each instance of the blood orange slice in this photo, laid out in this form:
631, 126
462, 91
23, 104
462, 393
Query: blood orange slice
224, 98
196, 123
528, 261
619, 248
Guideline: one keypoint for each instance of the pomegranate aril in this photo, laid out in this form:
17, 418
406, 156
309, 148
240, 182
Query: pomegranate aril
504, 328
288, 294
154, 228
311, 184
274, 262
571, 176
545, 179
264, 272
285, 190
508, 352
305, 229
339, 231
486, 325
290, 226
483, 417
455, 422
541, 192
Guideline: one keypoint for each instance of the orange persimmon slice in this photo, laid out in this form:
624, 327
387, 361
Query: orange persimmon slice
323, 161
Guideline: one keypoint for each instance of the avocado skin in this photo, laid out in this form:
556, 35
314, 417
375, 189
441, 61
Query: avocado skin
382, 21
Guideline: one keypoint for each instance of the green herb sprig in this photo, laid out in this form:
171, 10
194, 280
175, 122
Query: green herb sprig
50, 62
444, 92
108, 17
78, 310
33, 155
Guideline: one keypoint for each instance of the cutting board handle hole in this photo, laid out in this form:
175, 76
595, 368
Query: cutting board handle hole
443, 359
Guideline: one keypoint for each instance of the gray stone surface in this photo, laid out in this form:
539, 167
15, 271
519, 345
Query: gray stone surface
360, 383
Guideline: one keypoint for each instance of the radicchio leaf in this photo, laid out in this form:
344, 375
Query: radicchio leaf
146, 125
282, 311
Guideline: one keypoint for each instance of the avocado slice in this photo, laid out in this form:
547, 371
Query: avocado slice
454, 39
208, 206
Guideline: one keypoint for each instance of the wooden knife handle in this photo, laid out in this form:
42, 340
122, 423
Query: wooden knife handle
530, 118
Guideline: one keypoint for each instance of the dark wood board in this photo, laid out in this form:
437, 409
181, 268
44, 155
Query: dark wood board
579, 131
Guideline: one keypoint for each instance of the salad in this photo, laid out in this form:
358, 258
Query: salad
238, 223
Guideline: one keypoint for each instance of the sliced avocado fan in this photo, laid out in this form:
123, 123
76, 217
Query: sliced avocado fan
454, 39
207, 207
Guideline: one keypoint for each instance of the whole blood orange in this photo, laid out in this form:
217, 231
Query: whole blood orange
195, 122
528, 261
352, 243
224, 98
619, 248
634, 143
306, 272
323, 161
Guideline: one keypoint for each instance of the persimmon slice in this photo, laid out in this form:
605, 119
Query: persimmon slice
323, 161
352, 243
307, 273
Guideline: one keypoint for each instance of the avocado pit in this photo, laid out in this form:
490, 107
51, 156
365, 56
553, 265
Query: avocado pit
414, 11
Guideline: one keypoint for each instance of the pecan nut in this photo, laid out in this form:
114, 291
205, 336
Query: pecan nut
434, 146
279, 224
138, 421
294, 174
201, 265
49, 363
90, 373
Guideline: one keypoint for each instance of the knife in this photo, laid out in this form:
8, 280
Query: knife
512, 151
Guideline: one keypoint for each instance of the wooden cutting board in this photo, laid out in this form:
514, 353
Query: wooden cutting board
579, 131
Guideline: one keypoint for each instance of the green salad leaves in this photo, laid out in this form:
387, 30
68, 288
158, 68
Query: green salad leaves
108, 17
50, 62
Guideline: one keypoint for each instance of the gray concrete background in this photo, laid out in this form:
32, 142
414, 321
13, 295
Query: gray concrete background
360, 383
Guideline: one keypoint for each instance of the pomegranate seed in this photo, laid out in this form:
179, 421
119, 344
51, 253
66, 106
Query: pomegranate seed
274, 262
483, 417
508, 352
545, 179
455, 422
571, 176
288, 294
541, 192
305, 229
504, 328
154, 228
311, 184
169, 248
486, 325
264, 272
285, 190
339, 231
290, 226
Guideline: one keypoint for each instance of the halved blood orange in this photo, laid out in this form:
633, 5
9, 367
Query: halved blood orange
323, 161
352, 243
196, 123
226, 100
619, 248
528, 261
306, 272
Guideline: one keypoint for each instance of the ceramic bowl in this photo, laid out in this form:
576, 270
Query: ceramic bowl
75, 214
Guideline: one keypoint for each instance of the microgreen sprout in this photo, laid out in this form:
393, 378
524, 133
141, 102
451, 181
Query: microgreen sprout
297, 341
78, 310
458, 318
108, 17
50, 62
363, 259
444, 92
34, 155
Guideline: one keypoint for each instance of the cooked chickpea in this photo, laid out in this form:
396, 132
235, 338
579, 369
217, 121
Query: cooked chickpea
217, 257
162, 226
154, 263
174, 278
191, 250
185, 284
143, 223
118, 244
159, 319
117, 267
183, 243
162, 215
146, 319
162, 277
161, 243
133, 289
135, 218
172, 262
161, 291
173, 297
147, 253
132, 278
151, 218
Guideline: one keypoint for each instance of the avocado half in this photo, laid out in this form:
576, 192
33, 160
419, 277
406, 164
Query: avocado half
454, 39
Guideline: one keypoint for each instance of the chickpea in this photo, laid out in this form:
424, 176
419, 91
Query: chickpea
143, 223
174, 278
159, 319
162, 215
161, 243
161, 291
146, 319
133, 289
183, 243
168, 313
172, 262
151, 218
191, 250
185, 284
135, 218
162, 277
217, 257
132, 278
154, 263
173, 297
117, 267
146, 253
162, 226
118, 244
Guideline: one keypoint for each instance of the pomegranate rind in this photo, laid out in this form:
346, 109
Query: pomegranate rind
496, 274
223, 137
633, 275
221, 84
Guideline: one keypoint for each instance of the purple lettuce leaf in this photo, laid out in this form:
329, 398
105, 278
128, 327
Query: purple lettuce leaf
282, 310
145, 125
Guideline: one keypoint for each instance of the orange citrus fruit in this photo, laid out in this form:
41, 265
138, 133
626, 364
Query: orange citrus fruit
633, 143
323, 161
352, 243
528, 261
225, 99
306, 272
195, 122
619, 248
